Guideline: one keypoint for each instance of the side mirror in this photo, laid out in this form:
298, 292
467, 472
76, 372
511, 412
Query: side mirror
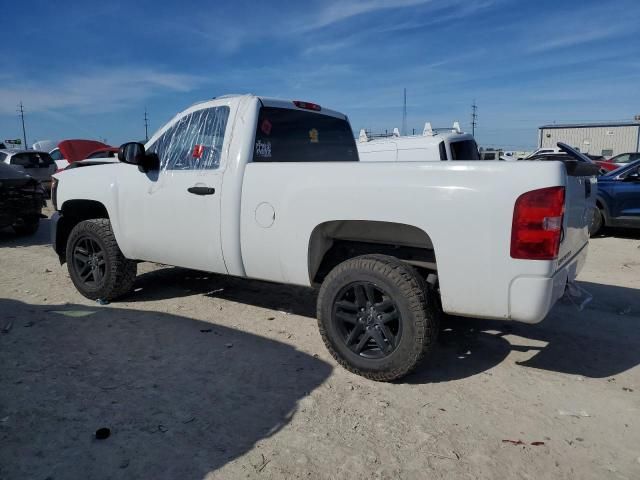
135, 154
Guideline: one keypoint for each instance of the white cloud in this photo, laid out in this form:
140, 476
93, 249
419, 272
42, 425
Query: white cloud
573, 39
96, 91
581, 24
339, 11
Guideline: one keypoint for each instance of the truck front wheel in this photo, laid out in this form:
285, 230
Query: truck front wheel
377, 316
96, 265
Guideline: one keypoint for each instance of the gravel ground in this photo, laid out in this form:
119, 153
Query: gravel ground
203, 376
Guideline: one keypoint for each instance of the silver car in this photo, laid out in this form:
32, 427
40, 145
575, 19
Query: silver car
38, 165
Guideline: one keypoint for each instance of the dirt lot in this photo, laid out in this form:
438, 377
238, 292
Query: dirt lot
202, 376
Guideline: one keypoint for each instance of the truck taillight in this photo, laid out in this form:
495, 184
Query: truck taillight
537, 224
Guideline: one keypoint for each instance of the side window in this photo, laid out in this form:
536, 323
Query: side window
194, 142
56, 155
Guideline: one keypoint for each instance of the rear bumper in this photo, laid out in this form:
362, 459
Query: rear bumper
531, 298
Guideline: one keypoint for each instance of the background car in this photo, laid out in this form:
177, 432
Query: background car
561, 156
107, 152
618, 199
21, 200
39, 165
69, 151
624, 159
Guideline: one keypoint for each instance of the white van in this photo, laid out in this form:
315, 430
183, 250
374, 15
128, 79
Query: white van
433, 145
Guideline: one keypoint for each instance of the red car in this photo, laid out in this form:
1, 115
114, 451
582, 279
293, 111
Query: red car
606, 165
621, 160
107, 152
70, 151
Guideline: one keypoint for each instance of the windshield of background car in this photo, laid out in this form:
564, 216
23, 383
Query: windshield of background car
464, 150
628, 158
288, 135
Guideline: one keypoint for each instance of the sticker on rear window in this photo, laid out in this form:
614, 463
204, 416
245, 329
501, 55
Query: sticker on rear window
313, 135
265, 126
263, 149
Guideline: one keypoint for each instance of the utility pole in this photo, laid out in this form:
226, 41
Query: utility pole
404, 114
24, 132
474, 117
146, 125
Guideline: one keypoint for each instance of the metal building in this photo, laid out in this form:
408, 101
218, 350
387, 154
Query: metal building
605, 139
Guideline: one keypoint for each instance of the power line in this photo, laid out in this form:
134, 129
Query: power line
24, 132
474, 117
404, 114
146, 125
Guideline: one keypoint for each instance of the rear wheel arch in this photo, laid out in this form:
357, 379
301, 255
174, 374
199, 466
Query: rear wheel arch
334, 242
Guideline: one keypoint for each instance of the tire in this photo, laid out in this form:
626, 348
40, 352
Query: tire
408, 328
29, 227
97, 267
597, 222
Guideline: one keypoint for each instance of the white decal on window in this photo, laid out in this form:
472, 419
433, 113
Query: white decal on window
263, 149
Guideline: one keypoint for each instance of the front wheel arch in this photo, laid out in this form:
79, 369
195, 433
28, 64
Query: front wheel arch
73, 212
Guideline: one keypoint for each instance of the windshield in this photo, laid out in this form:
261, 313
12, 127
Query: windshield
626, 158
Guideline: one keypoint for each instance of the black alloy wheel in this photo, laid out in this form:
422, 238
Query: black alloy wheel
377, 316
368, 320
88, 260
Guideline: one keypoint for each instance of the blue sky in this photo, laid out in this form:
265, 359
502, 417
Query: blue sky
88, 69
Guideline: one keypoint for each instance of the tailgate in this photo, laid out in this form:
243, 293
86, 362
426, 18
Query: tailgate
580, 200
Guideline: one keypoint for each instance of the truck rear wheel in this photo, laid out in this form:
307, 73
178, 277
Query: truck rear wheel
377, 316
96, 265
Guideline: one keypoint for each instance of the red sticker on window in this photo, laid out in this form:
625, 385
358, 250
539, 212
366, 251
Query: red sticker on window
198, 150
266, 127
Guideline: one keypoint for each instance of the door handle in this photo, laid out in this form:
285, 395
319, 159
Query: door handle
201, 190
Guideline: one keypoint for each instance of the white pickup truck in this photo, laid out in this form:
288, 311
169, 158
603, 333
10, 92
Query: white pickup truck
272, 189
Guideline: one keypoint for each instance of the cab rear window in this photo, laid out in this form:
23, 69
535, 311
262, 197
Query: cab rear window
288, 135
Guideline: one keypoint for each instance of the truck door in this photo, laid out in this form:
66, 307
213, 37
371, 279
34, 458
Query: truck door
172, 216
